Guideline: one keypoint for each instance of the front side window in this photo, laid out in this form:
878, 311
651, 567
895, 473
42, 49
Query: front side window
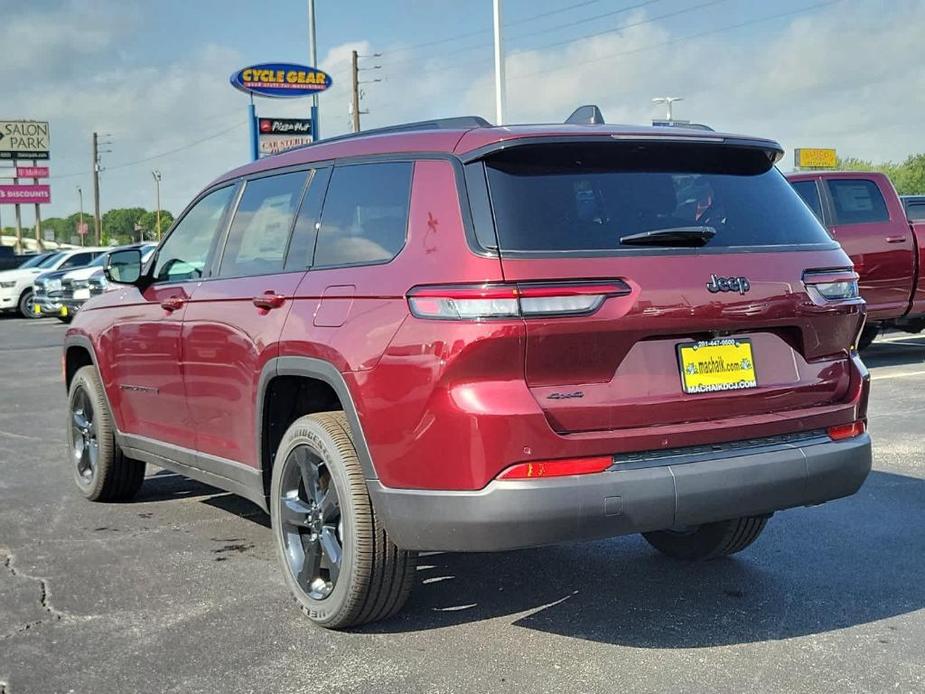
810, 194
365, 214
590, 197
260, 229
857, 201
184, 253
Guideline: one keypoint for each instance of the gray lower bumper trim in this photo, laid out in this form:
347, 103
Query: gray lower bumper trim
508, 515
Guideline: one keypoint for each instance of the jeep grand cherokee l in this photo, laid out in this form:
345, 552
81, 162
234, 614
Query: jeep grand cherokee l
452, 336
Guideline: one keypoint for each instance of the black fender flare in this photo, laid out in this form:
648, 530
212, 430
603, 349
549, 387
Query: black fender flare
326, 372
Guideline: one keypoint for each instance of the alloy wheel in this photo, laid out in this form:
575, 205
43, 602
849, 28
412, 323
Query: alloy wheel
311, 522
85, 448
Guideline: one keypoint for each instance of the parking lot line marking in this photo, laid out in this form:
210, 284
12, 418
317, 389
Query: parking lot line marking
901, 374
899, 338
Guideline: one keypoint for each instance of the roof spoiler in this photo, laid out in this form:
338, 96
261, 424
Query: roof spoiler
681, 124
586, 115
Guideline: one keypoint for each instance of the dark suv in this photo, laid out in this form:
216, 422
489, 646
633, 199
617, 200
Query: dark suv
452, 336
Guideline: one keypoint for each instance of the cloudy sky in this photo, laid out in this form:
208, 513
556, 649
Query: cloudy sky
848, 74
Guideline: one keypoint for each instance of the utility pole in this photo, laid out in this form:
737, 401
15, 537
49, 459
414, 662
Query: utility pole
499, 66
19, 247
313, 54
96, 190
39, 244
157, 192
355, 75
80, 227
668, 101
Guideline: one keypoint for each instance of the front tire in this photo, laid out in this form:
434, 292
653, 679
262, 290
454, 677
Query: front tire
101, 471
336, 557
27, 306
710, 540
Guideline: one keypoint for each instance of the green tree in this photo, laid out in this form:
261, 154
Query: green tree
149, 222
119, 225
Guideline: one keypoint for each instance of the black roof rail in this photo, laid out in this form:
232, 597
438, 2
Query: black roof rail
586, 115
455, 123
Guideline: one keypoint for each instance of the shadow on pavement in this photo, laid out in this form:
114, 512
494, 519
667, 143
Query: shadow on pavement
813, 571
905, 349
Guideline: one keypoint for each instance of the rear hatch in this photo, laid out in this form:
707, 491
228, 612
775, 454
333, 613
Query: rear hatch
708, 251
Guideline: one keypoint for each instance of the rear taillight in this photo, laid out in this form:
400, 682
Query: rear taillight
523, 299
556, 468
840, 432
825, 286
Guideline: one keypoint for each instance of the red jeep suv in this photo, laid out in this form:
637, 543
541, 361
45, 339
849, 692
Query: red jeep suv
453, 336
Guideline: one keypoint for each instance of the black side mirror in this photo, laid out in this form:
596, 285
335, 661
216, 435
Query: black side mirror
124, 267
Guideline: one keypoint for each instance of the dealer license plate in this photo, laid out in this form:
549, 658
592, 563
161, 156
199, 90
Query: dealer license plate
717, 365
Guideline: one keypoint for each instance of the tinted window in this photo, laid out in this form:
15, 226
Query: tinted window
916, 211
302, 245
49, 261
43, 260
260, 230
78, 260
586, 197
857, 201
810, 194
365, 214
184, 253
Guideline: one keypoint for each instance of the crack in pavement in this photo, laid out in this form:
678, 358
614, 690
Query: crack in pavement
55, 615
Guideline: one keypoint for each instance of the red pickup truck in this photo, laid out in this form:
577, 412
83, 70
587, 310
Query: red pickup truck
863, 212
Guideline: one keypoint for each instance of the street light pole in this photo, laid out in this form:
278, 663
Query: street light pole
157, 191
313, 54
499, 66
80, 228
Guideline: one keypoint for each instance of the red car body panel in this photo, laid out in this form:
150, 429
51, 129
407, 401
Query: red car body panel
449, 405
887, 255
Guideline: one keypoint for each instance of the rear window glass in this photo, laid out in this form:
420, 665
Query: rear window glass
857, 201
916, 211
588, 197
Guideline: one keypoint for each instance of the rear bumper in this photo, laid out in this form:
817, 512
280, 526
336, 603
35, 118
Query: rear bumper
639, 496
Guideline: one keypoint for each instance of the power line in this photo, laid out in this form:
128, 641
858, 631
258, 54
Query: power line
680, 39
167, 153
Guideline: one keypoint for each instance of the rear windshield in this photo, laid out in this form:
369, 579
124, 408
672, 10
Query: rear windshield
587, 197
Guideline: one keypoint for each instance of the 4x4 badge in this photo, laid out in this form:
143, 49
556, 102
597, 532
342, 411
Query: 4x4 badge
728, 284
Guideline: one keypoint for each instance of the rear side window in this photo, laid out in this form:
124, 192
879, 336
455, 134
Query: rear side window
857, 201
78, 260
809, 191
586, 197
365, 214
916, 211
260, 231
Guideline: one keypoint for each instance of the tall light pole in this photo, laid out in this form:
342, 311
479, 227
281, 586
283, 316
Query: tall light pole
80, 227
668, 101
157, 192
313, 54
499, 66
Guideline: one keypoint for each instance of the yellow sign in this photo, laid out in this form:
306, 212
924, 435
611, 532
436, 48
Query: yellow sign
715, 365
814, 158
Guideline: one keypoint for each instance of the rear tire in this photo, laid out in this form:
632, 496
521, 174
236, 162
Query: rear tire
26, 307
336, 557
101, 471
868, 335
708, 541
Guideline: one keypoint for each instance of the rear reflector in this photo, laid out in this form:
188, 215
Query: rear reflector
556, 468
492, 301
846, 431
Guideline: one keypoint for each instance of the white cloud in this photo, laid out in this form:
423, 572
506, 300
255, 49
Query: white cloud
848, 75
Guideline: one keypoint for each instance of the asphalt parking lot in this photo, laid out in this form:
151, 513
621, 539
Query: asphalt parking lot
179, 591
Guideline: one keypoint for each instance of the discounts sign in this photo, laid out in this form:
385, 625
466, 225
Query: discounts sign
24, 194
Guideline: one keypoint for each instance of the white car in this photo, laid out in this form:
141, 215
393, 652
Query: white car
74, 288
16, 285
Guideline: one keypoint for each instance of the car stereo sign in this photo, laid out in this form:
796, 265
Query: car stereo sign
23, 139
281, 80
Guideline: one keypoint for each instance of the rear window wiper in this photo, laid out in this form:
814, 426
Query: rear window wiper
672, 236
